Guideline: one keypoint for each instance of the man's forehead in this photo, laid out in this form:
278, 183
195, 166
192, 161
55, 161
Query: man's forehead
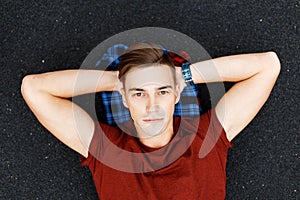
156, 76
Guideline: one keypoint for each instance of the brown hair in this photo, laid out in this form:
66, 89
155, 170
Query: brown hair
141, 54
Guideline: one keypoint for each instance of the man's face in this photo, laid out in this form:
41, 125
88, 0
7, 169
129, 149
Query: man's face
150, 94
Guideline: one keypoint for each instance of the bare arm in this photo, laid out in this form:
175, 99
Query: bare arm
46, 96
255, 75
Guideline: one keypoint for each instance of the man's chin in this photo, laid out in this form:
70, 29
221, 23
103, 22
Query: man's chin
151, 130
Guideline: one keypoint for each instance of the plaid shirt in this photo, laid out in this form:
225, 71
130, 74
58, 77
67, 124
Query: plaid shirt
111, 102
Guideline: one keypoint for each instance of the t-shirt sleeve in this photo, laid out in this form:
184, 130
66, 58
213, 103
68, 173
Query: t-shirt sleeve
93, 147
212, 132
218, 126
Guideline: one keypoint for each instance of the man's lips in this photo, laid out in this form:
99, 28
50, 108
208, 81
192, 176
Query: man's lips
149, 120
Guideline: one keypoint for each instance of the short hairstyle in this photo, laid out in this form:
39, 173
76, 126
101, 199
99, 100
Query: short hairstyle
142, 54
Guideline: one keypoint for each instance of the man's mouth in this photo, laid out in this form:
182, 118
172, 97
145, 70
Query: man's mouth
149, 120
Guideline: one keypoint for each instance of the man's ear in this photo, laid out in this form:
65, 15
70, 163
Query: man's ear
180, 85
177, 91
180, 81
122, 91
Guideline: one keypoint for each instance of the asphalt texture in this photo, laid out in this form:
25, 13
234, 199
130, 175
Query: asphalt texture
42, 36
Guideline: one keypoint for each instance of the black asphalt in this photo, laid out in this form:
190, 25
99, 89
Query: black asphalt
41, 36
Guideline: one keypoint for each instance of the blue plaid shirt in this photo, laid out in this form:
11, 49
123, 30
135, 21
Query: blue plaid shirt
112, 104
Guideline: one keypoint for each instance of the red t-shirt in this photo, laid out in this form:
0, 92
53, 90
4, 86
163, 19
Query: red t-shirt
177, 171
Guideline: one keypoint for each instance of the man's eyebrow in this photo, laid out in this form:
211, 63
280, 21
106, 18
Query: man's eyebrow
142, 90
165, 87
137, 89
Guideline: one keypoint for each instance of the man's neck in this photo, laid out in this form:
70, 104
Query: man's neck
159, 140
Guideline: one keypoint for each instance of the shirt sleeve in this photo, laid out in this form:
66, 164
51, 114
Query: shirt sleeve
218, 127
94, 146
212, 133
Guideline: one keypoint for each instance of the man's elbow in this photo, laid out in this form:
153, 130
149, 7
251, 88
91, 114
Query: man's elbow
28, 85
273, 63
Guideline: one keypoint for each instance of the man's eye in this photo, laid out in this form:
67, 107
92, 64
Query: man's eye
163, 92
139, 94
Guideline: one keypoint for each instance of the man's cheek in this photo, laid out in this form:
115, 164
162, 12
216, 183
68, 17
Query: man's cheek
135, 115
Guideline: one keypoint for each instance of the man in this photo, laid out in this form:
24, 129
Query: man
181, 169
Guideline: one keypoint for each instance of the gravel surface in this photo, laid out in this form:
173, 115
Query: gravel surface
41, 36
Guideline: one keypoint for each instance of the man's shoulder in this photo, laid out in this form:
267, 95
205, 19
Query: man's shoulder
119, 126
192, 124
204, 118
115, 131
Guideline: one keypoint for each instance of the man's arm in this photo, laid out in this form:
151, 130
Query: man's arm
255, 75
46, 96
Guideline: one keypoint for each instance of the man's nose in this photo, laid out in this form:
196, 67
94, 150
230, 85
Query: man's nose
152, 104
